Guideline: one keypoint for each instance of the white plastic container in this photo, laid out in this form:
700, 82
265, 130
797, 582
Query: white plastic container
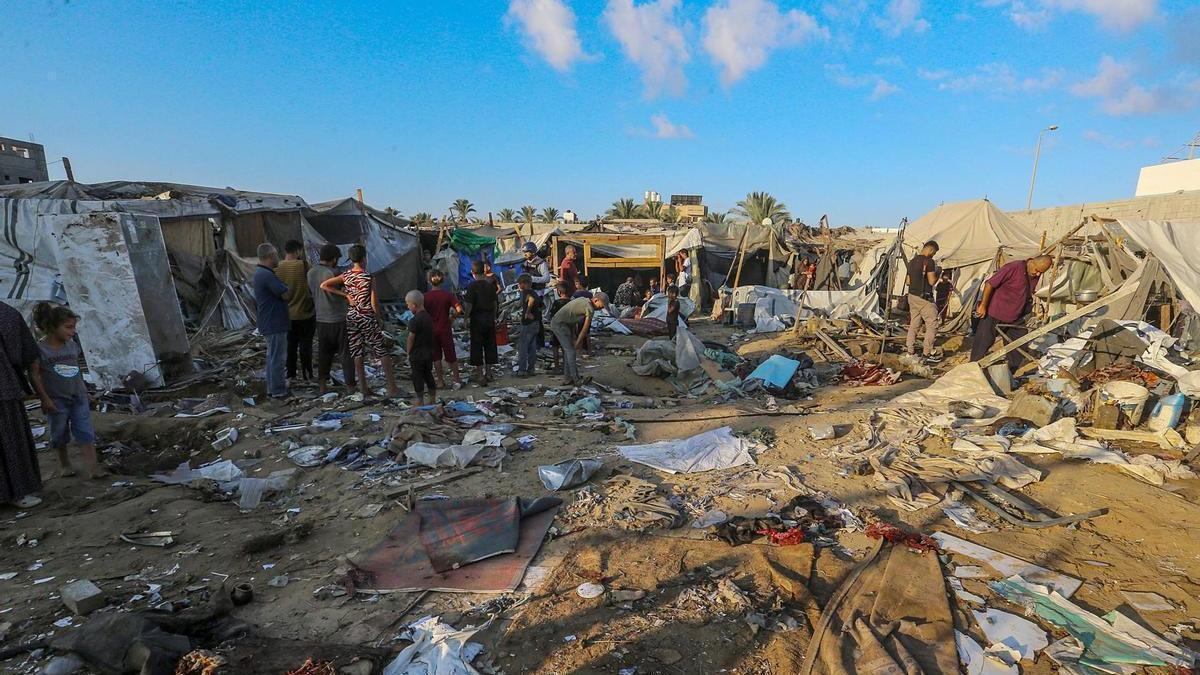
1129, 396
1166, 413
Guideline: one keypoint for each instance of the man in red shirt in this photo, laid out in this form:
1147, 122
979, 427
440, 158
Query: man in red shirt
567, 271
441, 304
1006, 298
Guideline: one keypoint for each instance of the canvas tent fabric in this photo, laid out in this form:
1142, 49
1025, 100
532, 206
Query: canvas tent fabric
1174, 243
969, 233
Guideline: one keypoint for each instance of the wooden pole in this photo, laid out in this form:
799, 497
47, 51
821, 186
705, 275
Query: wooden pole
1053, 274
736, 253
359, 195
67, 167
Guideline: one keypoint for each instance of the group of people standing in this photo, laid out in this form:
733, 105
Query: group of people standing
1005, 299
297, 302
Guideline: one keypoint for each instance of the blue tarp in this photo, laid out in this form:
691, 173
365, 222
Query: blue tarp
776, 371
464, 264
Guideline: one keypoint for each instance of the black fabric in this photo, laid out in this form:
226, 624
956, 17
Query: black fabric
422, 375
19, 473
918, 276
421, 329
483, 339
300, 344
536, 310
985, 337
331, 342
481, 296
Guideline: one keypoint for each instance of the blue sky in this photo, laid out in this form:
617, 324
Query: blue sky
868, 110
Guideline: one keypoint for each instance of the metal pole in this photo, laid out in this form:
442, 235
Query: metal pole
1037, 154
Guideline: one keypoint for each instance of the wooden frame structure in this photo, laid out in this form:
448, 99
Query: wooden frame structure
659, 241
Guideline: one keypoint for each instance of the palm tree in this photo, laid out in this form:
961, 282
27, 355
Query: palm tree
549, 214
463, 208
653, 210
716, 217
758, 206
528, 214
625, 209
671, 215
391, 211
507, 216
422, 218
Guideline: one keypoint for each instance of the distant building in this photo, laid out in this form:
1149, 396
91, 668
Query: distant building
22, 162
1161, 179
691, 208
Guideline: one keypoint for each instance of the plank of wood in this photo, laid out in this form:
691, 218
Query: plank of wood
837, 349
1121, 293
430, 482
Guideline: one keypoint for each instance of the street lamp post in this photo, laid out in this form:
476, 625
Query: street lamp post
1037, 154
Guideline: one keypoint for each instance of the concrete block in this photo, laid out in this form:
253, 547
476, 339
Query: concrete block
1033, 408
82, 597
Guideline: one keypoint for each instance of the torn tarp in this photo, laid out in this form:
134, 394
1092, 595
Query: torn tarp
455, 456
716, 449
457, 532
1114, 639
437, 648
465, 529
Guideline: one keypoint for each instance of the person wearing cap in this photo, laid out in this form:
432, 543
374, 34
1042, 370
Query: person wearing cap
537, 268
563, 326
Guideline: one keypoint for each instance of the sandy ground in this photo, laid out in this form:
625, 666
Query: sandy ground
1146, 542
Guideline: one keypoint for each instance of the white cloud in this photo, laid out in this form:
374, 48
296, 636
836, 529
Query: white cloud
652, 38
1114, 15
1111, 77
998, 78
661, 127
548, 27
739, 35
1121, 95
926, 74
890, 61
883, 89
880, 87
901, 16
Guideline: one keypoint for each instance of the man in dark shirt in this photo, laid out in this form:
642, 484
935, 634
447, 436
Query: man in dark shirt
1006, 298
529, 340
922, 275
481, 300
420, 349
271, 296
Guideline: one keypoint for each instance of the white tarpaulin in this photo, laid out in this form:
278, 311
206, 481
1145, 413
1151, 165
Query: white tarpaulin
1174, 243
716, 449
771, 305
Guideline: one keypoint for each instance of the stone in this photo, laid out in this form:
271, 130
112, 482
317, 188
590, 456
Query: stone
1032, 408
375, 451
1107, 416
82, 597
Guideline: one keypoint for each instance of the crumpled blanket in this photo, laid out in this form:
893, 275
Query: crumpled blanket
891, 615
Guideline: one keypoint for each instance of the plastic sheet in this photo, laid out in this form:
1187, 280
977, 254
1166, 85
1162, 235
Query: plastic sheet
1113, 639
716, 449
568, 474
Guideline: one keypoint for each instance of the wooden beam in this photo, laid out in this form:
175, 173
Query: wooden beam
1120, 294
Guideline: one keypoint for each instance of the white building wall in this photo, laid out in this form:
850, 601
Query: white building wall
1170, 177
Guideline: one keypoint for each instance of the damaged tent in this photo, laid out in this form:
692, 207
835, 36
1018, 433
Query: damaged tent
123, 251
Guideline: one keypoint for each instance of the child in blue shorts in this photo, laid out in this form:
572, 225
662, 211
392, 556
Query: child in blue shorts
59, 383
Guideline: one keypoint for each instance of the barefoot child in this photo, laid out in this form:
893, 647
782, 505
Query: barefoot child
59, 383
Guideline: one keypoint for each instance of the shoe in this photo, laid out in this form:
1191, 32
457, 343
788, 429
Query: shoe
27, 502
933, 358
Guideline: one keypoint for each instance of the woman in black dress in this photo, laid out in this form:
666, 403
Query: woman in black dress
20, 477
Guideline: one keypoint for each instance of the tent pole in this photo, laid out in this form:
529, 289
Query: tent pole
736, 255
